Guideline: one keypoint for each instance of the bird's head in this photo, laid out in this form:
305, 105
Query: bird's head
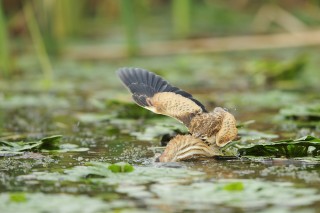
184, 147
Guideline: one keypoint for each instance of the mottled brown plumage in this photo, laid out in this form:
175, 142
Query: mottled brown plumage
207, 128
217, 127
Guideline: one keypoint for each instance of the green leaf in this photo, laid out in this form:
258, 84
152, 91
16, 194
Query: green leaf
250, 196
18, 197
128, 168
121, 167
114, 168
303, 147
51, 203
306, 112
235, 186
49, 143
100, 172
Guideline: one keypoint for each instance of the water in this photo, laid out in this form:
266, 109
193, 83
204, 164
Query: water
96, 112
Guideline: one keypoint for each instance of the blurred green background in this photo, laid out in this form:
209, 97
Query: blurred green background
44, 37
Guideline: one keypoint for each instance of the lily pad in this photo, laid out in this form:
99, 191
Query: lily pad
121, 167
310, 112
39, 202
235, 186
102, 173
303, 147
48, 143
249, 194
252, 135
18, 197
67, 147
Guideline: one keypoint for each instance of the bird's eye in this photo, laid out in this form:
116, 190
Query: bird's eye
203, 137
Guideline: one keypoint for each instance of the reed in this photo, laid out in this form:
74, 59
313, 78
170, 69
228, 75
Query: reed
181, 17
130, 25
4, 45
67, 17
38, 42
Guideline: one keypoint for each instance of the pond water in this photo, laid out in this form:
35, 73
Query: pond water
271, 96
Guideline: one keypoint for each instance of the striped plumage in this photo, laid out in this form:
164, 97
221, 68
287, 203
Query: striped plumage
184, 147
154, 93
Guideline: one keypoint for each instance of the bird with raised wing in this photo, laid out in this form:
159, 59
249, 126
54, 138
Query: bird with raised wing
209, 130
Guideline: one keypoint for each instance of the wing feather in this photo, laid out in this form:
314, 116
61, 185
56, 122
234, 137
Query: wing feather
156, 94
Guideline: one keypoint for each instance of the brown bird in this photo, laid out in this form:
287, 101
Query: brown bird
209, 130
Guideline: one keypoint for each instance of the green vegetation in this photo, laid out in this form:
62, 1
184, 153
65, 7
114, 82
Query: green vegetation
236, 186
51, 142
18, 197
120, 167
4, 45
259, 60
302, 147
38, 42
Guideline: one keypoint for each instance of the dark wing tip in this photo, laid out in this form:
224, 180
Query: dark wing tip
138, 81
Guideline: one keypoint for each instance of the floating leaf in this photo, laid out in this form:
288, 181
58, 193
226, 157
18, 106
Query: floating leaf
235, 186
18, 197
47, 144
302, 147
51, 203
121, 167
310, 112
102, 173
250, 135
67, 147
246, 195
51, 142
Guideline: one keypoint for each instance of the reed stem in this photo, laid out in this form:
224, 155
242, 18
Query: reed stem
181, 11
38, 42
128, 18
4, 45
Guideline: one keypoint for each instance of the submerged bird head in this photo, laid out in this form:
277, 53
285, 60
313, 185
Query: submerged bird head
184, 147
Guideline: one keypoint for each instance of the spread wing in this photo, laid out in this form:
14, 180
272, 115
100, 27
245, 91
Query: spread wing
154, 93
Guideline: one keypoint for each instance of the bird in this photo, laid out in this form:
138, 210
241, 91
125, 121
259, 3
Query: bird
208, 131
